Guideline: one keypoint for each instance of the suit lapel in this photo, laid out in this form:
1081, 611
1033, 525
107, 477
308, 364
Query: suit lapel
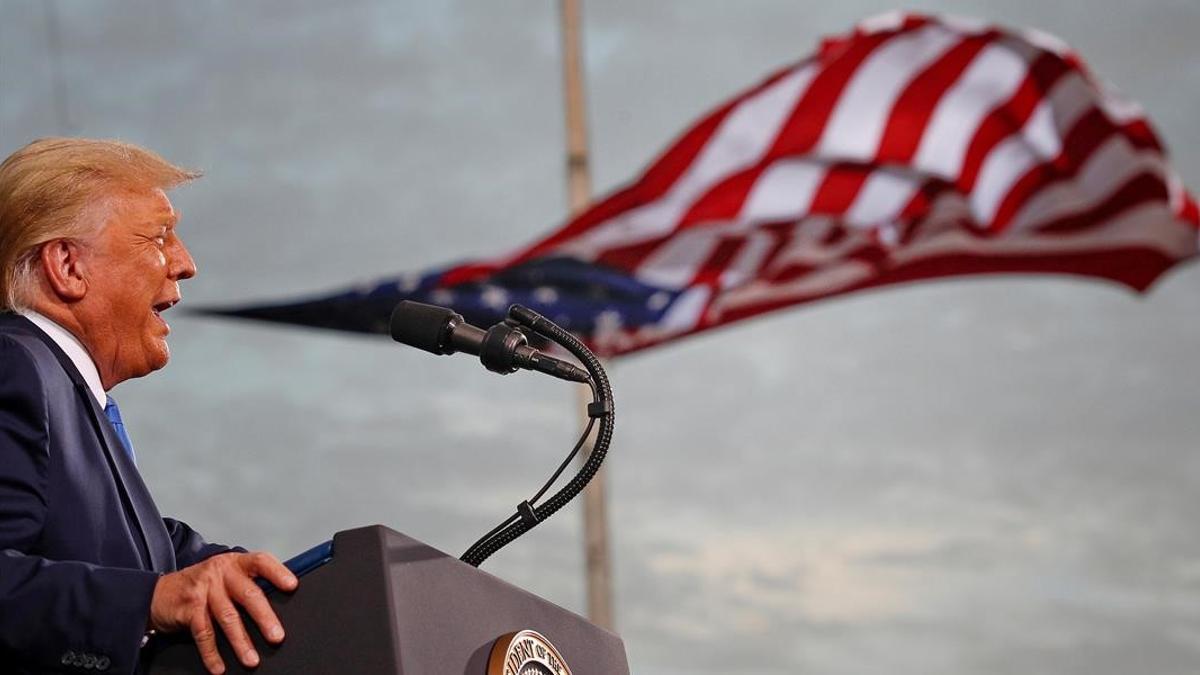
137, 496
154, 547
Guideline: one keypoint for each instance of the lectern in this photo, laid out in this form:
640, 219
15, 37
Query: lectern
386, 604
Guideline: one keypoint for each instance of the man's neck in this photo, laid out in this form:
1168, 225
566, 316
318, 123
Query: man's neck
73, 348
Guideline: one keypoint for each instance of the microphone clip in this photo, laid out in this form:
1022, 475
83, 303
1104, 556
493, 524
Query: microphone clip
498, 351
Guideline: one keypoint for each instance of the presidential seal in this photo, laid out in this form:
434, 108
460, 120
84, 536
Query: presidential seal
525, 653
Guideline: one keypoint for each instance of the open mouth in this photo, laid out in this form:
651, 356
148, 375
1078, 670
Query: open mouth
164, 306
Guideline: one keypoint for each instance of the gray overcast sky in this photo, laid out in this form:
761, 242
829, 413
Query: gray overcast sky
984, 476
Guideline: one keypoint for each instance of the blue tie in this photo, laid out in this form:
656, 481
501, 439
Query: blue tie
113, 413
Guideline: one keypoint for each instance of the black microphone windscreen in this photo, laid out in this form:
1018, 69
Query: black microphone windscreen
422, 326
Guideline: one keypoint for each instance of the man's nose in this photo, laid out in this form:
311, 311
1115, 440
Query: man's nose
182, 265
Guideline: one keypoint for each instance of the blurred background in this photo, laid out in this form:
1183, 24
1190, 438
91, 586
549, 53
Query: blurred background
964, 476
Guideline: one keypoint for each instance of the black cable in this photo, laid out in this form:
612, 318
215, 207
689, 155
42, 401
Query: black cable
511, 519
533, 500
566, 462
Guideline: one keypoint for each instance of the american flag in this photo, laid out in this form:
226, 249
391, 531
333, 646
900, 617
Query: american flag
912, 147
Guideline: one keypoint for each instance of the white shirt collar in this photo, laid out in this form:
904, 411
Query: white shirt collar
74, 350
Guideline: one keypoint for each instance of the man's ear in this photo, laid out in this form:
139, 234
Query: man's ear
63, 266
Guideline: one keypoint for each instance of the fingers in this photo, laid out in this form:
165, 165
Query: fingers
230, 621
210, 591
206, 644
268, 566
250, 596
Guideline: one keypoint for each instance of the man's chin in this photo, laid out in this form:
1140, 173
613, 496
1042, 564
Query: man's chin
156, 359
152, 355
161, 357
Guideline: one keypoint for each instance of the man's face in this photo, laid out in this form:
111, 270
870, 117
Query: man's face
133, 269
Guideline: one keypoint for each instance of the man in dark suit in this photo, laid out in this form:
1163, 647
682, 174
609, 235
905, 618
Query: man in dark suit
89, 260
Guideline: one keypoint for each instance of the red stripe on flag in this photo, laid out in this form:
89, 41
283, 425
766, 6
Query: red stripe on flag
724, 200
718, 260
921, 201
1190, 212
838, 189
806, 124
781, 235
629, 258
469, 272
1141, 134
789, 272
1008, 117
913, 109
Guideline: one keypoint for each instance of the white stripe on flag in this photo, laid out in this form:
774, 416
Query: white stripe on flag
862, 112
881, 198
783, 192
993, 77
1175, 191
1039, 140
1003, 166
745, 136
882, 23
1044, 40
966, 25
684, 312
674, 264
1119, 109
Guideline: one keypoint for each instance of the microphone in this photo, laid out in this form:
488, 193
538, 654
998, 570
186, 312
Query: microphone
502, 348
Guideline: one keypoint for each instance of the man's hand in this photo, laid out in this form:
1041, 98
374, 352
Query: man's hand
193, 597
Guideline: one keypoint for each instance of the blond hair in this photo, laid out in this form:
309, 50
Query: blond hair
49, 190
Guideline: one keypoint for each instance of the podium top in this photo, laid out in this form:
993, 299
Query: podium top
379, 602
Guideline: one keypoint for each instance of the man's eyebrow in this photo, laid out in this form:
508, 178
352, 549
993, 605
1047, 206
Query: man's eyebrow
167, 220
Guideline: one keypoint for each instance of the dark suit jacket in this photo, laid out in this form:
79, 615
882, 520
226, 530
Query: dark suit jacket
81, 542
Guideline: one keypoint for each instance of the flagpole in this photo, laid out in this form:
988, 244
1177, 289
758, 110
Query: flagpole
595, 508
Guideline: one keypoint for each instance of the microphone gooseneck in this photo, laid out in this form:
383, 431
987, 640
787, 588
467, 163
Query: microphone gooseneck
504, 348
601, 409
